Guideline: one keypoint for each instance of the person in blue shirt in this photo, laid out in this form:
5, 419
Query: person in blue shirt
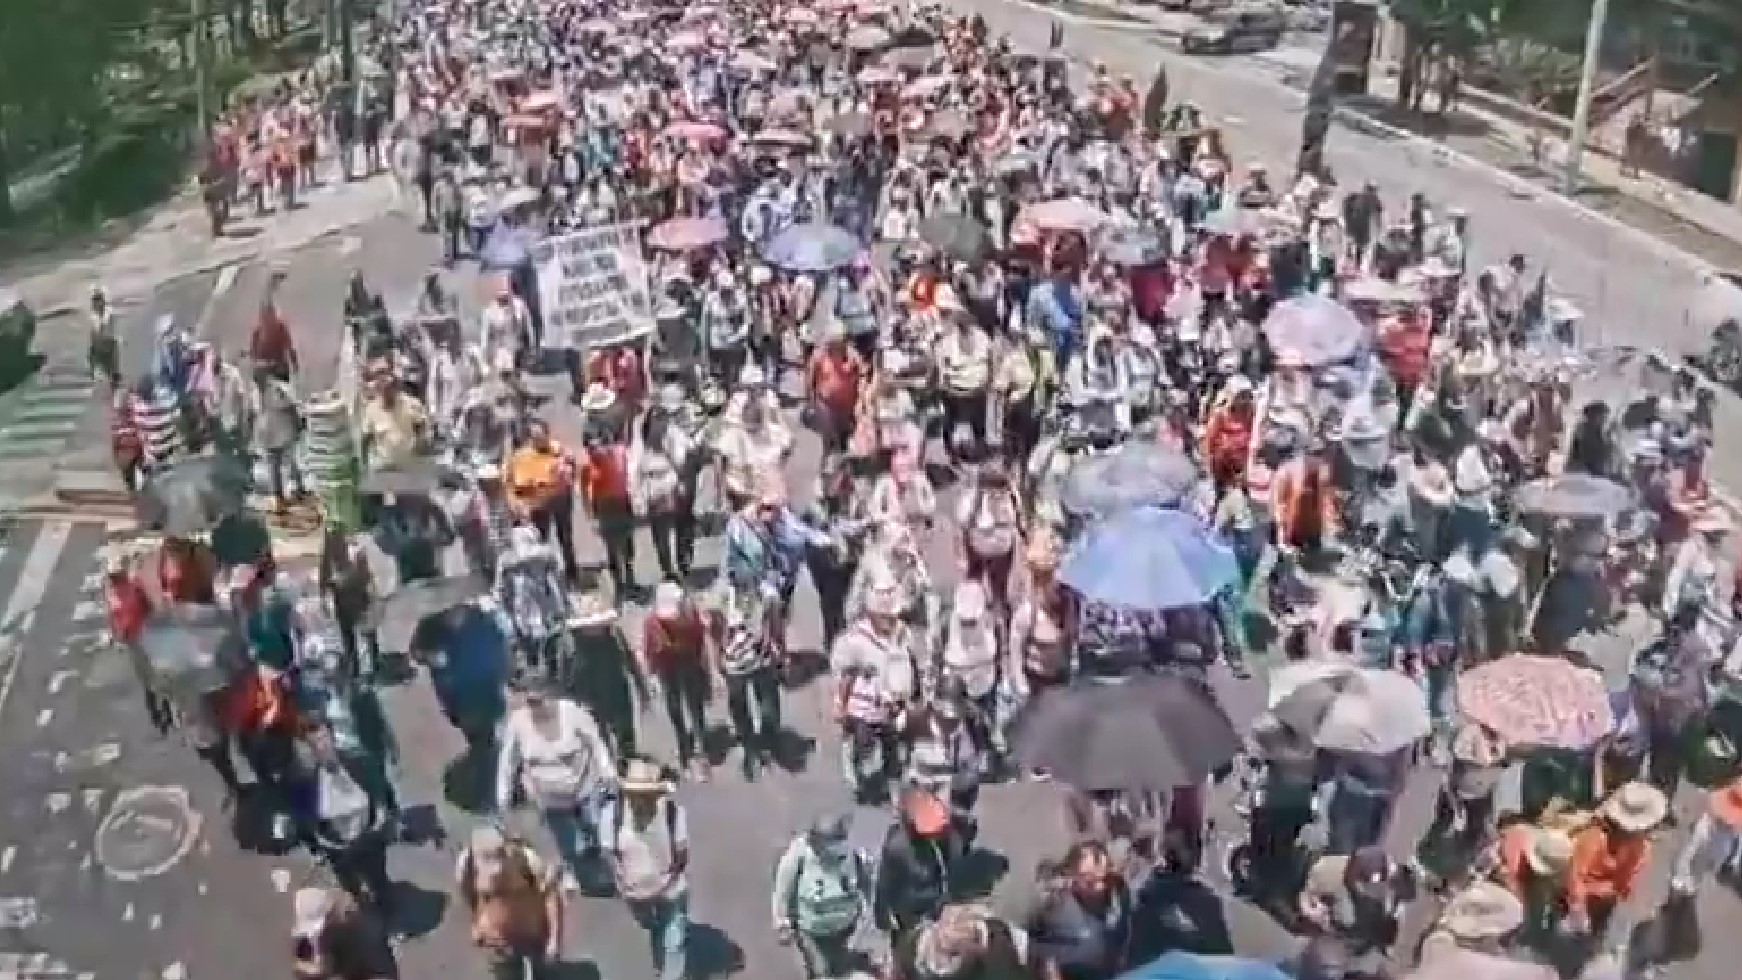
766, 545
1055, 306
467, 651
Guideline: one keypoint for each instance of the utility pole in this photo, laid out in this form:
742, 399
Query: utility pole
348, 89
1587, 89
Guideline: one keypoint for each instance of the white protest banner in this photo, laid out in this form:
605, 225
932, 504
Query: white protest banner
593, 287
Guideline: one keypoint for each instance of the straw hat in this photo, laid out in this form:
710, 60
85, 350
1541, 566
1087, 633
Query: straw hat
1471, 475
597, 398
1548, 851
1726, 804
1478, 745
1635, 807
1481, 912
642, 776
593, 609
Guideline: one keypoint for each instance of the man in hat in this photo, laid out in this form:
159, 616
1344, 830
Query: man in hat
821, 888
964, 363
1482, 918
647, 839
1715, 845
333, 938
1533, 865
515, 902
835, 379
963, 941
543, 476
1359, 896
608, 677
1610, 856
507, 328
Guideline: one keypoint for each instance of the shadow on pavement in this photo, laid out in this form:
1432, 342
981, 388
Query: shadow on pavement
712, 952
1430, 124
417, 911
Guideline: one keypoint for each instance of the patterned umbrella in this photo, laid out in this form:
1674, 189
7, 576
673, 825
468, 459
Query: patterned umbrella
866, 37
1179, 965
1314, 331
1141, 734
687, 234
1537, 701
811, 247
694, 132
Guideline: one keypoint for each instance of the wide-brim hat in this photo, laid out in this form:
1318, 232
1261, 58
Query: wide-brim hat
667, 600
598, 398
1712, 520
1548, 851
593, 609
642, 776
1483, 911
1636, 807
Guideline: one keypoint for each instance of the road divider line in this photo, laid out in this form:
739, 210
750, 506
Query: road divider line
226, 279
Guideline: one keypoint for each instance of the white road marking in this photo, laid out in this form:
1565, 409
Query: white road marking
128, 913
350, 245
226, 279
43, 717
7, 857
44, 554
87, 610
156, 923
59, 680
93, 800
175, 971
57, 802
281, 880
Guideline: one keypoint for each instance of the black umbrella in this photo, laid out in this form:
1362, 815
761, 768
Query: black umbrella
192, 496
187, 650
956, 235
1148, 733
913, 36
396, 617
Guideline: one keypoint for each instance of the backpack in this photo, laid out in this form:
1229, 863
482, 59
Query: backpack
827, 910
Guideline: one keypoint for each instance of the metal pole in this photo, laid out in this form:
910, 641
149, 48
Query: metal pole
1587, 88
202, 66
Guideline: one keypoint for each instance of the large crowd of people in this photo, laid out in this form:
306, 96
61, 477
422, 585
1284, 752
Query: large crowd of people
1183, 423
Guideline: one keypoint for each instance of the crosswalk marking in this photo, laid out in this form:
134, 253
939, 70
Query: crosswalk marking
45, 552
44, 415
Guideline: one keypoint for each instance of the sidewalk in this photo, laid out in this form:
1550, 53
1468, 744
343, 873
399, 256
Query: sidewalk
176, 241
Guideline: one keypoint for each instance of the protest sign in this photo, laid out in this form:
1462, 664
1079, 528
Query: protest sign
593, 287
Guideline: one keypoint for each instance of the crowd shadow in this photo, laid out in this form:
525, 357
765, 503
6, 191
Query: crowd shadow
712, 953
417, 911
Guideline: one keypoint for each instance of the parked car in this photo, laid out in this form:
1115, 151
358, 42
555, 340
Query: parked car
1237, 32
17, 332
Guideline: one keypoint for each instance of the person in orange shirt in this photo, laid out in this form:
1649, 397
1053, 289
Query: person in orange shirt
1610, 856
1304, 501
541, 476
605, 490
833, 381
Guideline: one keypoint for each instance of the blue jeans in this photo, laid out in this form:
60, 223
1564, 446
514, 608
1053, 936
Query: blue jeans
667, 923
577, 832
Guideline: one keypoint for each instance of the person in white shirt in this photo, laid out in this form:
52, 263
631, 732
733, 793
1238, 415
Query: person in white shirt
647, 836
507, 328
554, 755
964, 359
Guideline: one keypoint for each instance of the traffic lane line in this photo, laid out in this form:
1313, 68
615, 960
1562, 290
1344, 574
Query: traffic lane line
1626, 282
95, 836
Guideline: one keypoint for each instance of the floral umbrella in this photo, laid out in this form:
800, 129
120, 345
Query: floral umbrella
1537, 701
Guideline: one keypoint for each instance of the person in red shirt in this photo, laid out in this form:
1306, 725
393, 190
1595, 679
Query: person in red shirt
1228, 433
834, 380
129, 608
620, 369
271, 345
187, 572
675, 649
604, 483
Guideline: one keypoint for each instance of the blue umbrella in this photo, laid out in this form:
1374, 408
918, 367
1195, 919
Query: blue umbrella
1196, 966
812, 247
506, 248
1150, 558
